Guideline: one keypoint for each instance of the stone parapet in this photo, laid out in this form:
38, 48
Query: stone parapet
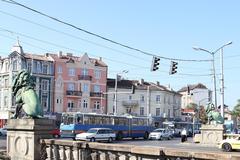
23, 137
212, 133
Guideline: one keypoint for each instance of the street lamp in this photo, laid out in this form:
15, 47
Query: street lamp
115, 95
214, 74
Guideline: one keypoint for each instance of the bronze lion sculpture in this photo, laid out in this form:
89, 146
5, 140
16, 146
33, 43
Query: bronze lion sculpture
213, 115
26, 97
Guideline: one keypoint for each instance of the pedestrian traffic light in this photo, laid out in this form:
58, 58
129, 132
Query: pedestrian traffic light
173, 68
155, 63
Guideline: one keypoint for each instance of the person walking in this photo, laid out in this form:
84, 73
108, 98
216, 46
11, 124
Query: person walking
184, 135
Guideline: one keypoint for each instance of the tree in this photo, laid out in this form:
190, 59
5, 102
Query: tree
236, 111
192, 106
203, 115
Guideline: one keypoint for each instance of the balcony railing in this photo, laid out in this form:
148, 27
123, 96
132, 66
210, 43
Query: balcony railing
73, 93
95, 94
84, 77
130, 103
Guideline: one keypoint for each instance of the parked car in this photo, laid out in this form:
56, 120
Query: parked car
55, 133
3, 131
97, 134
160, 133
230, 143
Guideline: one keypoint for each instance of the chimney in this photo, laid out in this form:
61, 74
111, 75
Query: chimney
100, 58
158, 84
46, 54
60, 54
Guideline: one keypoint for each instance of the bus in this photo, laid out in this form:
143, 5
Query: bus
177, 127
124, 126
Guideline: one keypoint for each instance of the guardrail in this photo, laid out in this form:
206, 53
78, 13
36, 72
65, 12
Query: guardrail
79, 150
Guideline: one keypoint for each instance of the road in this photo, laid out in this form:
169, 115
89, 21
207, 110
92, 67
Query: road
3, 142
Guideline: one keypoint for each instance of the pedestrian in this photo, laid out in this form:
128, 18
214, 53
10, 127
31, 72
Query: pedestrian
184, 135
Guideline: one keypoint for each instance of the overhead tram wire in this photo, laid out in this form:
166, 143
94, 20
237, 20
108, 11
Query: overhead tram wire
69, 35
99, 36
57, 45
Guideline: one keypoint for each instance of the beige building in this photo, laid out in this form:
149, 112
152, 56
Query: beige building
150, 99
197, 93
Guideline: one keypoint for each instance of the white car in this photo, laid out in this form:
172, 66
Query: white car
97, 134
160, 133
3, 131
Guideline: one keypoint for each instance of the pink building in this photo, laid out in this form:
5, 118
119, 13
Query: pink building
79, 83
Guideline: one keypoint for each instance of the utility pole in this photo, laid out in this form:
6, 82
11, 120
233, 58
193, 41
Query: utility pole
222, 83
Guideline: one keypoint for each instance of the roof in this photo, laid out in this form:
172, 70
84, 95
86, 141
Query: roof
192, 87
73, 59
37, 57
140, 85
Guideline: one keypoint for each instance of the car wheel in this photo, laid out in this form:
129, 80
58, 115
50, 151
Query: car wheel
110, 139
160, 138
56, 136
0, 133
145, 135
92, 139
227, 147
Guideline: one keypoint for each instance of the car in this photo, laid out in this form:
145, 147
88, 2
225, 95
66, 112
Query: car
3, 131
160, 133
230, 144
55, 133
97, 134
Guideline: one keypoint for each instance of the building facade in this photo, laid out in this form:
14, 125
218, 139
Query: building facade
40, 67
149, 99
198, 94
79, 83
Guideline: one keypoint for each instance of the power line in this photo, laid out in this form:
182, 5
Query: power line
97, 35
69, 35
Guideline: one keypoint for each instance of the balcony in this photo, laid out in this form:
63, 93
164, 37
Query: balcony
84, 77
73, 93
95, 94
130, 103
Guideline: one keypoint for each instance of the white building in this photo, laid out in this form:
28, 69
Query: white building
149, 99
198, 94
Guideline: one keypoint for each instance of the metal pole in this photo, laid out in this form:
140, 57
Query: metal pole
115, 97
222, 83
214, 81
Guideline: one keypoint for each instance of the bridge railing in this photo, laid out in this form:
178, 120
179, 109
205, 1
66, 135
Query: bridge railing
53, 149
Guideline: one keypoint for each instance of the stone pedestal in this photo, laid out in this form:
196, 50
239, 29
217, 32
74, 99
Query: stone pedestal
23, 137
212, 133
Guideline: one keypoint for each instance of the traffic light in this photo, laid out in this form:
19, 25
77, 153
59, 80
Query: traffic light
173, 68
155, 63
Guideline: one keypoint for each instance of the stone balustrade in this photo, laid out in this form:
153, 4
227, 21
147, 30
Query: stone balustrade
80, 150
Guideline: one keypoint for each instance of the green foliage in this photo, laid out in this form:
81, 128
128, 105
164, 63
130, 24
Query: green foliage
192, 106
236, 109
203, 115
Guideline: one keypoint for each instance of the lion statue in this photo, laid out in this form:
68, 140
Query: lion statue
213, 115
26, 97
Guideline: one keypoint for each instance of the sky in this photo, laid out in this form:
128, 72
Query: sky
163, 28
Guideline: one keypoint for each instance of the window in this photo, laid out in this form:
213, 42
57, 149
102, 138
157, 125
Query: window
158, 99
84, 71
85, 87
169, 112
70, 104
157, 111
45, 84
45, 68
57, 100
71, 72
44, 102
6, 83
59, 69
97, 74
71, 86
142, 98
29, 66
96, 105
96, 88
141, 111
39, 69
5, 101
14, 65
85, 104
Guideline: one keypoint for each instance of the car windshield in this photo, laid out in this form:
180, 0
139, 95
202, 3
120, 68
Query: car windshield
158, 130
92, 131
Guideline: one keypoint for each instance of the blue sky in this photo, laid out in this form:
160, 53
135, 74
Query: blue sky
164, 28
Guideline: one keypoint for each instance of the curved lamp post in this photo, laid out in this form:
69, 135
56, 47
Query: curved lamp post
214, 74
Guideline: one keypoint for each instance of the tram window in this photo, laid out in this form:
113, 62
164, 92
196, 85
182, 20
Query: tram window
134, 122
116, 121
69, 120
79, 120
